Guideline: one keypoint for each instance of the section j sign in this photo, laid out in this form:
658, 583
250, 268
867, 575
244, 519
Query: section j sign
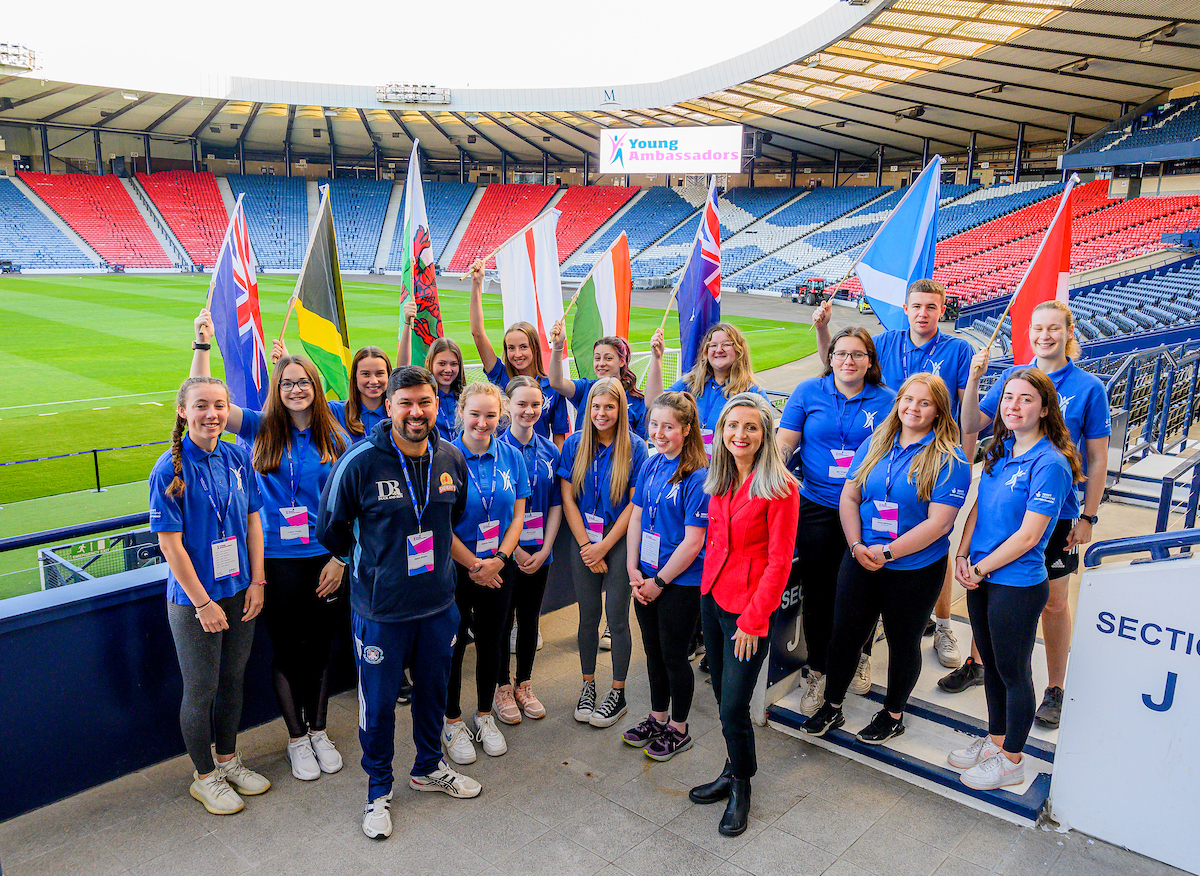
671, 150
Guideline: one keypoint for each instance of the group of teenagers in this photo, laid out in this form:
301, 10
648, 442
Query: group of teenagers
436, 504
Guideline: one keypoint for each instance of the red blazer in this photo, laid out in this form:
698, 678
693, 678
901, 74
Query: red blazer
748, 554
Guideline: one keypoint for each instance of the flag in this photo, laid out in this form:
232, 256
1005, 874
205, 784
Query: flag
320, 311
237, 321
1047, 278
417, 270
603, 305
902, 250
699, 290
530, 282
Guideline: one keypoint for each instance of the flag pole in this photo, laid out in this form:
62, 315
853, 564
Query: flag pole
570, 304
212, 283
670, 303
287, 316
492, 254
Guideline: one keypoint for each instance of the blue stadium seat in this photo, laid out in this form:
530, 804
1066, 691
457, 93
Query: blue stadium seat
359, 206
277, 218
445, 203
29, 239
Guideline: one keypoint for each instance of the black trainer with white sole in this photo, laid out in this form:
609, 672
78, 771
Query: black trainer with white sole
611, 710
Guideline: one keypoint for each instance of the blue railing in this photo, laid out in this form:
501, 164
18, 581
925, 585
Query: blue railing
1158, 546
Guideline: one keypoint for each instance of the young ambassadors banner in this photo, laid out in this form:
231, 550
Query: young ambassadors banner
602, 308
530, 282
699, 292
319, 307
416, 271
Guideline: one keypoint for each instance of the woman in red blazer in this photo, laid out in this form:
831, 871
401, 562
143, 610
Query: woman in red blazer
752, 519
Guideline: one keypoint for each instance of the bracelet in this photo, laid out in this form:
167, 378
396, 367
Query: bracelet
338, 560
196, 345
201, 608
262, 583
962, 556
856, 544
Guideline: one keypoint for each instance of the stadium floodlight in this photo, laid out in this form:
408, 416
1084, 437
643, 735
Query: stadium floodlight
15, 56
403, 92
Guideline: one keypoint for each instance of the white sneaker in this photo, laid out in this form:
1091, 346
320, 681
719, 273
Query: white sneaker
946, 647
489, 734
539, 647
216, 795
328, 757
377, 818
606, 639
303, 759
457, 740
979, 750
447, 781
994, 772
242, 779
861, 683
814, 696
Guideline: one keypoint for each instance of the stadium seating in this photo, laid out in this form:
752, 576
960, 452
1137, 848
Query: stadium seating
984, 205
359, 206
505, 208
30, 240
192, 207
102, 213
445, 203
658, 211
277, 218
584, 210
1178, 123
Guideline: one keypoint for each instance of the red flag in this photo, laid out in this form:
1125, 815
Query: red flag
1047, 279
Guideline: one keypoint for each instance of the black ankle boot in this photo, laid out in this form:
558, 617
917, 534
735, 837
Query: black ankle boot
737, 813
714, 791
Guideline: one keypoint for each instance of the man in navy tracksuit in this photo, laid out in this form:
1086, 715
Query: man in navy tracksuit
389, 510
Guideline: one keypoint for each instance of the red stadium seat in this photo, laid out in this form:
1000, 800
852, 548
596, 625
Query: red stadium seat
505, 207
192, 206
584, 210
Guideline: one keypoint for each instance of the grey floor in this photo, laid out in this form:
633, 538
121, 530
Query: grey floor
567, 799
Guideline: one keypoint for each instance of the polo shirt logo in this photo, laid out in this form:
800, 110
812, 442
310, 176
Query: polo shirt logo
506, 478
389, 490
237, 475
1011, 483
868, 419
673, 492
549, 468
936, 370
1063, 401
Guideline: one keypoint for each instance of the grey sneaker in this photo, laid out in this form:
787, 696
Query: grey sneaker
946, 647
1049, 713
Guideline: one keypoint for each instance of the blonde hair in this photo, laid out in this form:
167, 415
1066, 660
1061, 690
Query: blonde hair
535, 344
589, 443
177, 485
1074, 350
771, 479
479, 388
741, 375
927, 465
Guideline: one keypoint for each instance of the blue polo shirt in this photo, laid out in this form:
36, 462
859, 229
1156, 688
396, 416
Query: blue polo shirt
447, 415
1038, 480
596, 498
496, 478
299, 480
831, 428
637, 407
369, 419
1084, 404
888, 482
946, 356
554, 419
220, 494
709, 403
667, 509
541, 462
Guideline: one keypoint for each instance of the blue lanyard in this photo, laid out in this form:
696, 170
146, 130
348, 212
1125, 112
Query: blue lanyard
654, 494
596, 474
531, 463
295, 474
887, 481
221, 515
412, 494
487, 502
929, 349
840, 403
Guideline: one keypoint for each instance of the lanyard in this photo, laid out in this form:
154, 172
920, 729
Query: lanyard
412, 494
491, 497
656, 495
221, 515
887, 481
529, 451
840, 403
296, 473
598, 505
929, 349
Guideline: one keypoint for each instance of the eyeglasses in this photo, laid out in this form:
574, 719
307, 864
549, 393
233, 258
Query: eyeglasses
289, 385
843, 355
724, 345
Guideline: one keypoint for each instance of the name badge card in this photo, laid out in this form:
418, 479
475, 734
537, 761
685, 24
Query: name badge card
841, 463
293, 524
488, 539
420, 553
595, 528
707, 434
533, 532
225, 557
649, 552
888, 519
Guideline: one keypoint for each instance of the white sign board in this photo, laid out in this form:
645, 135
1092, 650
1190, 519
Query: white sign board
1126, 762
671, 150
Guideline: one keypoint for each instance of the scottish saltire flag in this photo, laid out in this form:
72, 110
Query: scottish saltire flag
699, 293
903, 248
237, 322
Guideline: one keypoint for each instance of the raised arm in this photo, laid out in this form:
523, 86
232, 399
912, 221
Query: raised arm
820, 321
971, 417
554, 368
404, 350
487, 353
654, 376
202, 365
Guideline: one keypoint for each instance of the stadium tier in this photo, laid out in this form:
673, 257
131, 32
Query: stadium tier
359, 207
658, 211
191, 205
584, 210
505, 208
984, 205
28, 239
445, 203
101, 212
1177, 122
277, 218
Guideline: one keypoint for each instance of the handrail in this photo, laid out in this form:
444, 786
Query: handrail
1166, 497
1156, 545
76, 530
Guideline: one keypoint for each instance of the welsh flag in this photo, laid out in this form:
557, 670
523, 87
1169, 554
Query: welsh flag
603, 304
416, 270
1048, 277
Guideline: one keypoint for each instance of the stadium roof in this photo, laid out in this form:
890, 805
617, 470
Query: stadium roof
891, 73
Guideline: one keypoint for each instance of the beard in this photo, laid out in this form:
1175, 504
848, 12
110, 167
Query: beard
415, 429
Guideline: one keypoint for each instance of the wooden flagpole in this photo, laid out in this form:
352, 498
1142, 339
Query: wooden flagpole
287, 316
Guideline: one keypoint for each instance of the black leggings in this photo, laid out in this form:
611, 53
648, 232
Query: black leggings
668, 624
526, 608
820, 545
483, 610
904, 597
1004, 623
733, 683
302, 627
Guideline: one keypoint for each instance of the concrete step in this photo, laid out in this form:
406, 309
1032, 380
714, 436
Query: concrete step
461, 228
390, 218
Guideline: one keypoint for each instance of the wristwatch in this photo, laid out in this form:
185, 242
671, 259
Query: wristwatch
501, 555
978, 574
1093, 519
887, 554
197, 345
660, 583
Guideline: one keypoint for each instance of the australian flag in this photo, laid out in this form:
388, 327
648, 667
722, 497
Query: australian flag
699, 292
237, 321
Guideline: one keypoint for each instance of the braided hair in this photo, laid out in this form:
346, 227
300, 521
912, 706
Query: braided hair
176, 487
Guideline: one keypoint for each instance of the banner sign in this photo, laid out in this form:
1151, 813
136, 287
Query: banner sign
671, 150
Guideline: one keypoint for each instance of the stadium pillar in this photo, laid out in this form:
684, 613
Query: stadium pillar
462, 166
99, 154
241, 158
45, 149
971, 158
837, 167
1070, 138
196, 156
879, 167
793, 170
1124, 109
924, 153
545, 168
626, 180
378, 166
287, 158
586, 156
146, 142
503, 167
750, 169
332, 157
1020, 149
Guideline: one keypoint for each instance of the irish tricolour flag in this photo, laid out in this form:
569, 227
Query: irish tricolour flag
416, 268
602, 307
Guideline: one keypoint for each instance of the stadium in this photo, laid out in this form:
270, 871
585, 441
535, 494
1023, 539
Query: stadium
114, 209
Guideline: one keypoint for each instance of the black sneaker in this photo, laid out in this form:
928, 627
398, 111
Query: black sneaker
669, 744
587, 702
704, 663
1049, 713
882, 728
965, 677
823, 720
611, 710
644, 733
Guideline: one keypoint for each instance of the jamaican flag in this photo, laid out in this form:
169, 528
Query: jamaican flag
319, 307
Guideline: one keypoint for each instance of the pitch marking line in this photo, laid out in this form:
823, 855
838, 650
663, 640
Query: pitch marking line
80, 400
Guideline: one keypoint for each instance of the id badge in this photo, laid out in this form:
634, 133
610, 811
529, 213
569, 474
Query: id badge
534, 530
595, 528
841, 464
488, 540
420, 553
649, 552
708, 440
225, 557
887, 519
293, 524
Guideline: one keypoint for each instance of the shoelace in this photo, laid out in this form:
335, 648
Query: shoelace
487, 723
220, 788
587, 699
610, 703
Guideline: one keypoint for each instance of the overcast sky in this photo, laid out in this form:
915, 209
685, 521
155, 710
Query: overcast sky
167, 47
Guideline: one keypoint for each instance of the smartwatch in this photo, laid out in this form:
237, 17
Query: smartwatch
501, 555
887, 554
660, 583
1093, 519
